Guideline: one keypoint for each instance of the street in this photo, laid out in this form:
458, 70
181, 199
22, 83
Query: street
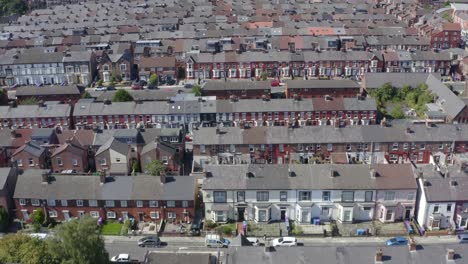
117, 245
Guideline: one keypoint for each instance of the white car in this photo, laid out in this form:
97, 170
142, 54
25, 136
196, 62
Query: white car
100, 88
284, 242
253, 240
121, 258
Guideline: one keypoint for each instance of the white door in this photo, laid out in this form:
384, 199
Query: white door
25, 215
66, 215
347, 215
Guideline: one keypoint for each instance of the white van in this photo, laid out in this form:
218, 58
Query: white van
215, 240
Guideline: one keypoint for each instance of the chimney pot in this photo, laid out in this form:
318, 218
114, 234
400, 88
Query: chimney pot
379, 256
102, 177
162, 178
450, 254
45, 177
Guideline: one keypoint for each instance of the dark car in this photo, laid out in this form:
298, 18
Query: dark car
170, 81
152, 86
196, 228
188, 86
110, 88
149, 241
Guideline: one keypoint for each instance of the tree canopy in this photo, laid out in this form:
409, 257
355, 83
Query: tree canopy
122, 96
12, 7
197, 90
78, 241
153, 79
155, 167
75, 242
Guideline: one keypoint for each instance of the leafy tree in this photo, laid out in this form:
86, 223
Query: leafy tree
264, 76
155, 167
397, 112
122, 96
20, 248
12, 7
78, 242
136, 166
411, 98
99, 82
197, 90
153, 79
4, 219
29, 101
38, 219
180, 73
115, 78
87, 95
3, 97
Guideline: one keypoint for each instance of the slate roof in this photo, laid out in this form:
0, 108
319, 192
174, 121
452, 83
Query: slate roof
32, 148
115, 145
450, 103
309, 177
35, 111
311, 84
88, 187
47, 90
4, 174
329, 134
438, 188
376, 80
247, 85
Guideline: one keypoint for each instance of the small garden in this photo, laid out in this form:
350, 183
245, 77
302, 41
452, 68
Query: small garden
226, 229
392, 102
115, 228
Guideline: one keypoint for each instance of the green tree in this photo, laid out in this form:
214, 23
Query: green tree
155, 167
397, 112
78, 242
411, 99
136, 166
12, 7
99, 82
153, 79
115, 78
197, 90
264, 76
21, 248
122, 96
38, 219
87, 95
4, 219
29, 101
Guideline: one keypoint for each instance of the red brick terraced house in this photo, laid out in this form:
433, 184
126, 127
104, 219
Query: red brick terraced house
321, 88
144, 198
244, 90
447, 35
282, 64
31, 156
70, 155
400, 143
28, 116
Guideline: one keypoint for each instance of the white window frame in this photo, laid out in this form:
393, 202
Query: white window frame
53, 214
94, 214
153, 203
79, 203
123, 203
139, 203
110, 203
111, 214
51, 202
185, 204
171, 215
64, 202
93, 203
171, 204
154, 215
35, 202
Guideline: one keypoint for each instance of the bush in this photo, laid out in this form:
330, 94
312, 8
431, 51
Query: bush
227, 230
297, 230
210, 224
99, 82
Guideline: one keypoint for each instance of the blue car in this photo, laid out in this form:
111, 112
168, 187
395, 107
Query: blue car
397, 241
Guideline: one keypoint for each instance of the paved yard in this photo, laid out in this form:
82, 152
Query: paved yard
374, 228
315, 229
271, 230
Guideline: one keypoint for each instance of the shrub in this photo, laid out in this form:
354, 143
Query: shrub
210, 224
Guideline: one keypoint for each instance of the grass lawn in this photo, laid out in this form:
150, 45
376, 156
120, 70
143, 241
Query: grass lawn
111, 228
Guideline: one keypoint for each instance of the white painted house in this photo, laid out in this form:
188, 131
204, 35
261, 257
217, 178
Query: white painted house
305, 192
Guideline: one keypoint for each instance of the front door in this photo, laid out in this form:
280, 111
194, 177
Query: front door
407, 213
66, 215
240, 214
25, 215
140, 216
283, 215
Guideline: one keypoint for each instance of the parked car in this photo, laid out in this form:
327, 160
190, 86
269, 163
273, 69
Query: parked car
284, 242
254, 241
170, 81
121, 258
215, 240
275, 83
463, 237
149, 241
137, 86
196, 227
188, 86
100, 88
397, 241
110, 88
152, 86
